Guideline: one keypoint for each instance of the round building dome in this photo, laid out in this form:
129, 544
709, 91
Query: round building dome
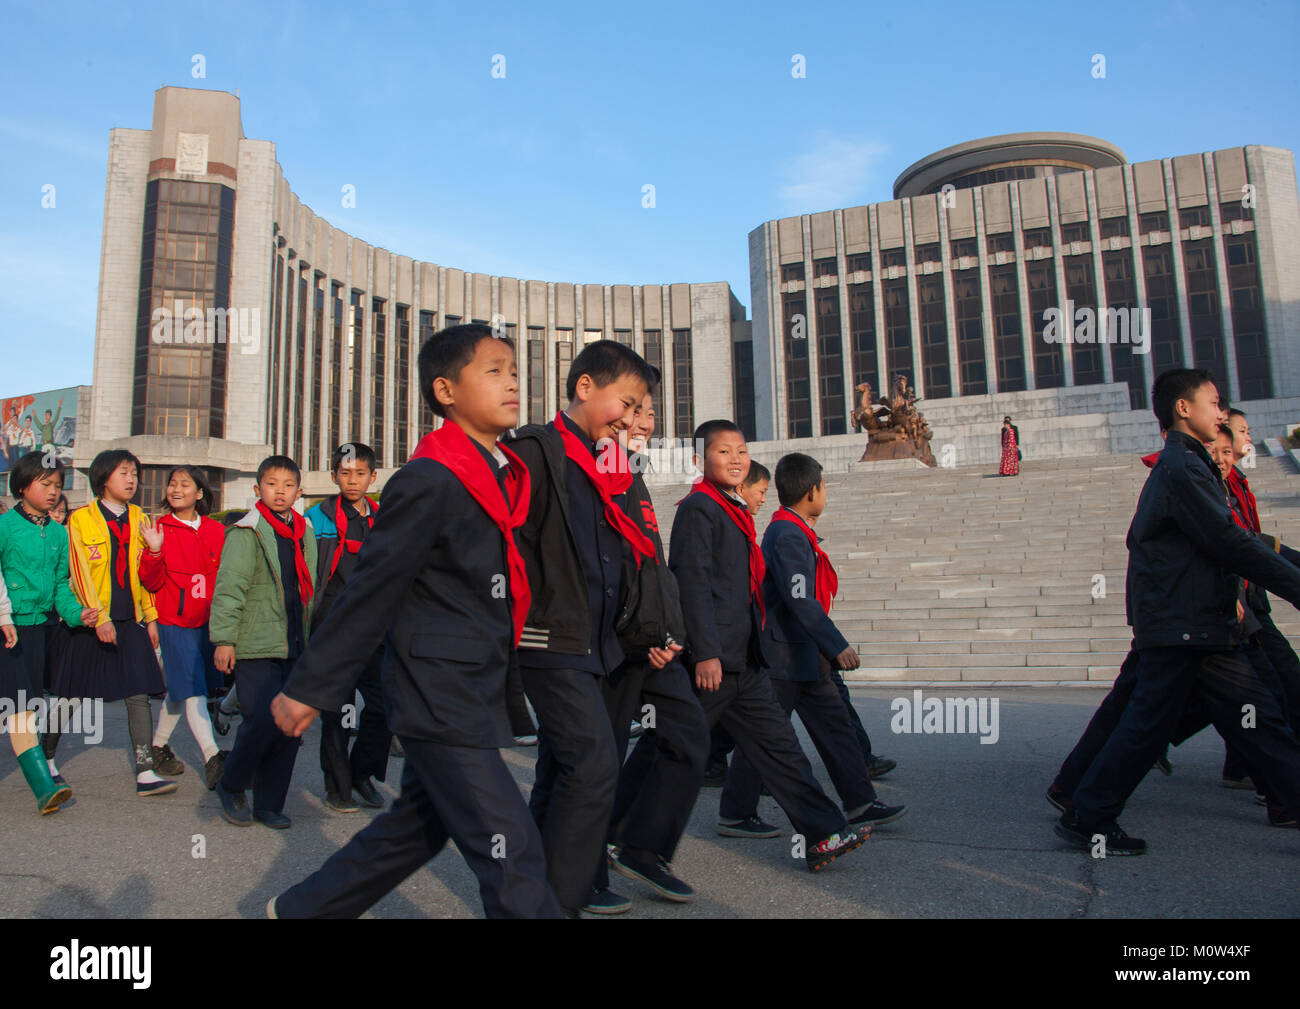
1004, 158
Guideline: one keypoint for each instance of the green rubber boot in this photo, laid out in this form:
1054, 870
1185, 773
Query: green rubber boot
37, 772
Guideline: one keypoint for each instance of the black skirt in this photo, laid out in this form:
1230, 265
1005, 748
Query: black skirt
89, 668
14, 678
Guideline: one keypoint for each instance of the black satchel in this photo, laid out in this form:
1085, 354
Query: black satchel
650, 609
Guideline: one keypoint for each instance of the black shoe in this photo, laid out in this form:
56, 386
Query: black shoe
220, 724
1116, 842
715, 776
165, 762
825, 852
234, 806
1279, 817
878, 767
1243, 782
339, 804
369, 795
1057, 797
606, 901
750, 827
878, 814
1162, 764
652, 871
213, 767
274, 820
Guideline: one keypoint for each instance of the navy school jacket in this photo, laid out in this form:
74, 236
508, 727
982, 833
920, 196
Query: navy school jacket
797, 626
428, 585
709, 556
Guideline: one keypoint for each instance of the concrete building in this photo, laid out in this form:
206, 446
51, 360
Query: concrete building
1027, 262
234, 322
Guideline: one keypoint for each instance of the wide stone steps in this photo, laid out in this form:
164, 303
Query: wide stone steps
954, 575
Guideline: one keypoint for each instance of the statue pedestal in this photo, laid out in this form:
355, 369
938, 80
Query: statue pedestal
898, 449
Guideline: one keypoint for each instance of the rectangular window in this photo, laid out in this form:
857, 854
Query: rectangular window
830, 362
1121, 295
825, 267
898, 331
862, 338
623, 336
356, 354
563, 358
1194, 217
1203, 315
928, 253
378, 359
968, 309
1254, 375
317, 372
1114, 227
683, 389
277, 314
536, 375
401, 425
934, 337
1162, 299
791, 271
298, 441
428, 326
798, 383
336, 363
1008, 345
1036, 238
1148, 223
1236, 210
1077, 232
894, 257
742, 368
653, 345
858, 262
964, 247
1081, 290
1001, 243
1049, 361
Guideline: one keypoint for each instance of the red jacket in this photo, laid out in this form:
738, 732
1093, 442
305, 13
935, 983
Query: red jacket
184, 574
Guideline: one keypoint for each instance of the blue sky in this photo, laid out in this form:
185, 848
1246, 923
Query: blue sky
539, 174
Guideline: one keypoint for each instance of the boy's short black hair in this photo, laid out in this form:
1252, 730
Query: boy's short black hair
356, 451
607, 361
796, 475
710, 429
1171, 386
278, 462
757, 474
29, 468
1234, 412
103, 465
1224, 429
447, 352
203, 505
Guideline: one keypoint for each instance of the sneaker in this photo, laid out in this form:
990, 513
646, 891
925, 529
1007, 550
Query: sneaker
1279, 817
715, 776
369, 795
146, 789
749, 827
652, 871
1070, 830
1243, 782
878, 767
825, 852
213, 767
234, 806
878, 814
606, 901
165, 762
270, 908
274, 820
1057, 797
339, 804
529, 739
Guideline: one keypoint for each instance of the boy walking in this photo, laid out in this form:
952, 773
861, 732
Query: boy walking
441, 586
258, 628
801, 641
719, 567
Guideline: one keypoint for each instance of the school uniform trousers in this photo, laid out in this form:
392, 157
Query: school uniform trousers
369, 754
262, 757
821, 710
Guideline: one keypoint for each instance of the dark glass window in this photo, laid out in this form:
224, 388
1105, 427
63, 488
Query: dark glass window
825, 267
1114, 227
792, 271
798, 382
1193, 217
898, 330
653, 344
742, 363
859, 261
830, 362
1234, 210
683, 391
401, 425
378, 359
623, 336
336, 363
964, 247
894, 257
1077, 232
928, 253
1038, 238
1049, 359
428, 326
968, 310
1153, 222
1203, 315
1162, 299
1081, 290
317, 371
356, 354
536, 375
299, 439
934, 338
1254, 375
1008, 345
1001, 243
1121, 294
862, 339
563, 358
277, 313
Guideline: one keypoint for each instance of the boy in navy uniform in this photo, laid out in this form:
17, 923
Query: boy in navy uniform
574, 543
440, 582
719, 567
342, 522
800, 641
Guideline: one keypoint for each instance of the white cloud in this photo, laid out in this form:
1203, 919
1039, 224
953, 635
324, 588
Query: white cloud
831, 172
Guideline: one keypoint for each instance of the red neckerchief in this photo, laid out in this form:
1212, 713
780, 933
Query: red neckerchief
1150, 460
828, 583
295, 533
452, 447
1240, 489
739, 514
607, 481
341, 524
120, 527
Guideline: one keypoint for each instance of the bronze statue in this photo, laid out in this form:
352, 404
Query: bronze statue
895, 428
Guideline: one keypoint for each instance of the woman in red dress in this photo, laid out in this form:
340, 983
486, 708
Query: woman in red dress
1010, 465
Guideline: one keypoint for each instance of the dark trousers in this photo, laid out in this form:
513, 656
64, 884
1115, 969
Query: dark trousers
745, 705
1284, 682
262, 756
577, 770
369, 756
1099, 728
720, 746
822, 712
521, 722
456, 792
659, 784
864, 741
1166, 679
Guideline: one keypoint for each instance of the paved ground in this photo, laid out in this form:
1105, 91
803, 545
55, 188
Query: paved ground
977, 842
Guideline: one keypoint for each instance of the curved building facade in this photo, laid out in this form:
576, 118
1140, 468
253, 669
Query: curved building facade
234, 322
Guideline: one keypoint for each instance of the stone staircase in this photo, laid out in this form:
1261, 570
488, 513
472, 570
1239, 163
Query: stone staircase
956, 575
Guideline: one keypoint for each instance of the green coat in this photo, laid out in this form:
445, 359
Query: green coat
248, 600
35, 564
